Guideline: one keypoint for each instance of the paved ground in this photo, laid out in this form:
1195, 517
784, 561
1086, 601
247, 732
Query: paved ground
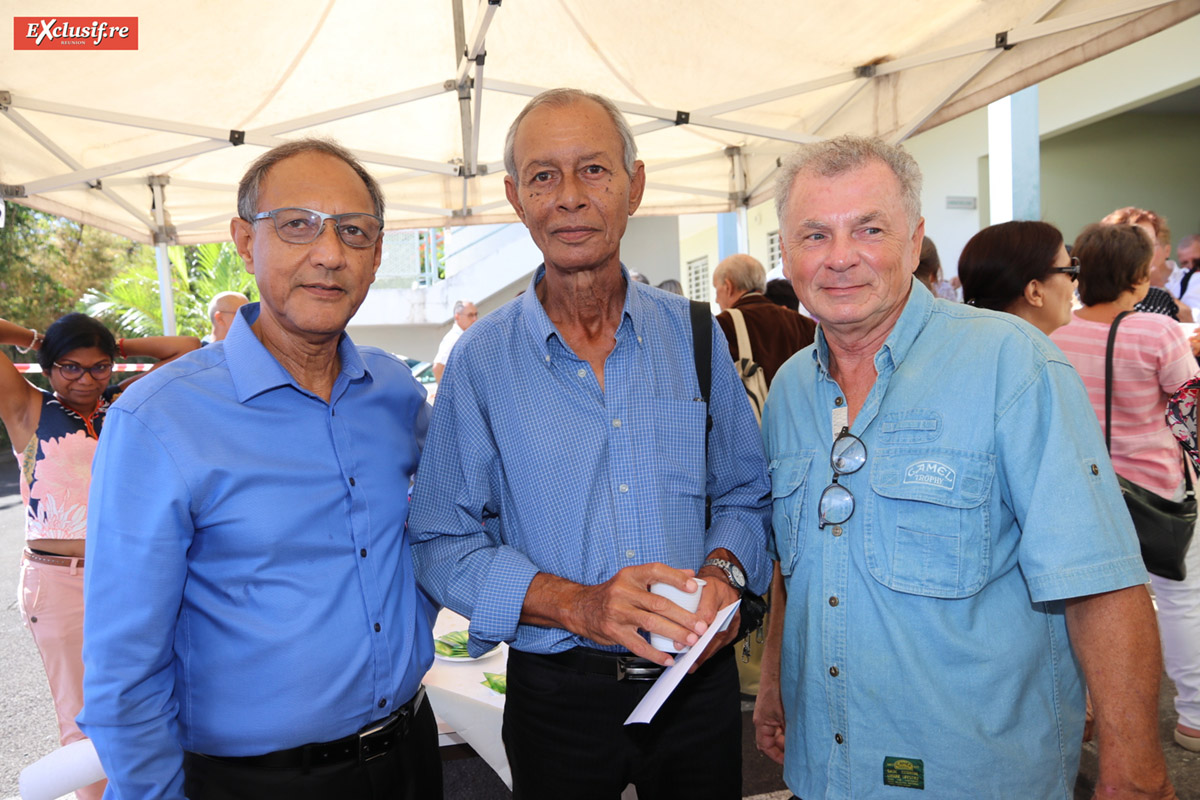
28, 731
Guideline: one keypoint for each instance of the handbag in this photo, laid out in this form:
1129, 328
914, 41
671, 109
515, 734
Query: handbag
1164, 527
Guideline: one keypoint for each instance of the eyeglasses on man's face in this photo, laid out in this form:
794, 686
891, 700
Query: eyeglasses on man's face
846, 457
74, 372
303, 226
1072, 269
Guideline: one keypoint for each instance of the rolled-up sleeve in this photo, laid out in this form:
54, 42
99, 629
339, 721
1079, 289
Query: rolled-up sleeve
139, 531
1076, 535
454, 525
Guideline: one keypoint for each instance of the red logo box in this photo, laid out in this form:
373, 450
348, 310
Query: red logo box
75, 33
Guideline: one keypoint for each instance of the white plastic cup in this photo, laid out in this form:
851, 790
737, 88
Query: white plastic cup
686, 601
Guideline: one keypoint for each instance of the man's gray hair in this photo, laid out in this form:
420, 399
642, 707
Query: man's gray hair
557, 98
251, 182
843, 154
745, 272
218, 303
1191, 240
459, 305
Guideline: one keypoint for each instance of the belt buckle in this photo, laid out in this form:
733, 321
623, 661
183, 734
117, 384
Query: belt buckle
364, 737
632, 668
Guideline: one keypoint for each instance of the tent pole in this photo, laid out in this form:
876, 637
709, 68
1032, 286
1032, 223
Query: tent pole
166, 295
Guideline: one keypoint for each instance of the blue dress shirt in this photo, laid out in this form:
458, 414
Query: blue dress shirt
925, 638
531, 467
249, 585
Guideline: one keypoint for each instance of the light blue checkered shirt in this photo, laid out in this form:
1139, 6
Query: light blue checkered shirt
530, 467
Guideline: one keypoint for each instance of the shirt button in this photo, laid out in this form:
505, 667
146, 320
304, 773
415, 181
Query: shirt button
833, 601
352, 481
382, 702
629, 554
377, 627
1095, 470
639, 340
616, 423
623, 487
837, 401
547, 359
833, 671
837, 530
837, 737
581, 373
363, 552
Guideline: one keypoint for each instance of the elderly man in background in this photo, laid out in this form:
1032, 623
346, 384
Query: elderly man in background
465, 315
221, 311
254, 629
566, 473
956, 557
775, 332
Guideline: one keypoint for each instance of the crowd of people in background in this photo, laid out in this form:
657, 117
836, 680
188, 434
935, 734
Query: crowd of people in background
591, 440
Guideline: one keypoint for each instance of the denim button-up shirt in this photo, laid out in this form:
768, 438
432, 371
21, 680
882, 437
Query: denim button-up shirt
531, 467
925, 638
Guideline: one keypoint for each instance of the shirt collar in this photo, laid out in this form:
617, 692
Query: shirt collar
540, 326
255, 370
916, 313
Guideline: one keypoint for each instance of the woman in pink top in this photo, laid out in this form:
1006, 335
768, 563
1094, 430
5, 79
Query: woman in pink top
54, 436
1151, 360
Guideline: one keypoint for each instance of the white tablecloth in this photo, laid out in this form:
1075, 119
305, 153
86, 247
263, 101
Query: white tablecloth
473, 711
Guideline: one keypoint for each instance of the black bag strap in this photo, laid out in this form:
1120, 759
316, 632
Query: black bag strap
1108, 380
701, 316
1187, 278
1108, 359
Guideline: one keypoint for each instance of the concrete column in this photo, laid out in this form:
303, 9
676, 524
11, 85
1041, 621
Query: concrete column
1014, 162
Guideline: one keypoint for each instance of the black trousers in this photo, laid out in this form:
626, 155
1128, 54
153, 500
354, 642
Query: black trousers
564, 735
412, 770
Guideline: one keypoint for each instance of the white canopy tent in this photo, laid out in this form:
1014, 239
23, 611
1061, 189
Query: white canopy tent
150, 143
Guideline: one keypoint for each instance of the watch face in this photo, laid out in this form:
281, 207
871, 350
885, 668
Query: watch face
739, 577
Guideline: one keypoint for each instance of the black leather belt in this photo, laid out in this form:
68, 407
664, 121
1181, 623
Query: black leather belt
621, 666
373, 741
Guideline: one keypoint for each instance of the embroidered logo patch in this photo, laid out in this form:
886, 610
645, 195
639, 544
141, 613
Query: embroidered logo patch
908, 773
931, 473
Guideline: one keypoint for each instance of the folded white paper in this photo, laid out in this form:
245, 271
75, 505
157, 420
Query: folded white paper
61, 772
671, 677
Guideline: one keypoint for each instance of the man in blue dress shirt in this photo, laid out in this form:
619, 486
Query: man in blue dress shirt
956, 556
565, 474
254, 629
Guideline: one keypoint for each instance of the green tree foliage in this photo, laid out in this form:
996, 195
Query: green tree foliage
130, 304
48, 263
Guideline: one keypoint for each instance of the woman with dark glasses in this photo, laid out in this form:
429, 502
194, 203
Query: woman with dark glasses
54, 436
1023, 268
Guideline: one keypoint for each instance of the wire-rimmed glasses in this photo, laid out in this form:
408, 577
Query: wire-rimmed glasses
303, 226
846, 457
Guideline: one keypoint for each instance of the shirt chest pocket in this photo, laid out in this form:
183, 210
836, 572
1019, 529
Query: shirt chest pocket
928, 533
789, 482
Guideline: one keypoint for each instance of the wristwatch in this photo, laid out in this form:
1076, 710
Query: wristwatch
733, 573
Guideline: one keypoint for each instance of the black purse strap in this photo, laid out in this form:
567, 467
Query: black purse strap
1108, 359
1108, 380
702, 319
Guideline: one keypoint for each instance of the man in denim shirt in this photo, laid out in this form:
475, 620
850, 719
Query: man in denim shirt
953, 547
